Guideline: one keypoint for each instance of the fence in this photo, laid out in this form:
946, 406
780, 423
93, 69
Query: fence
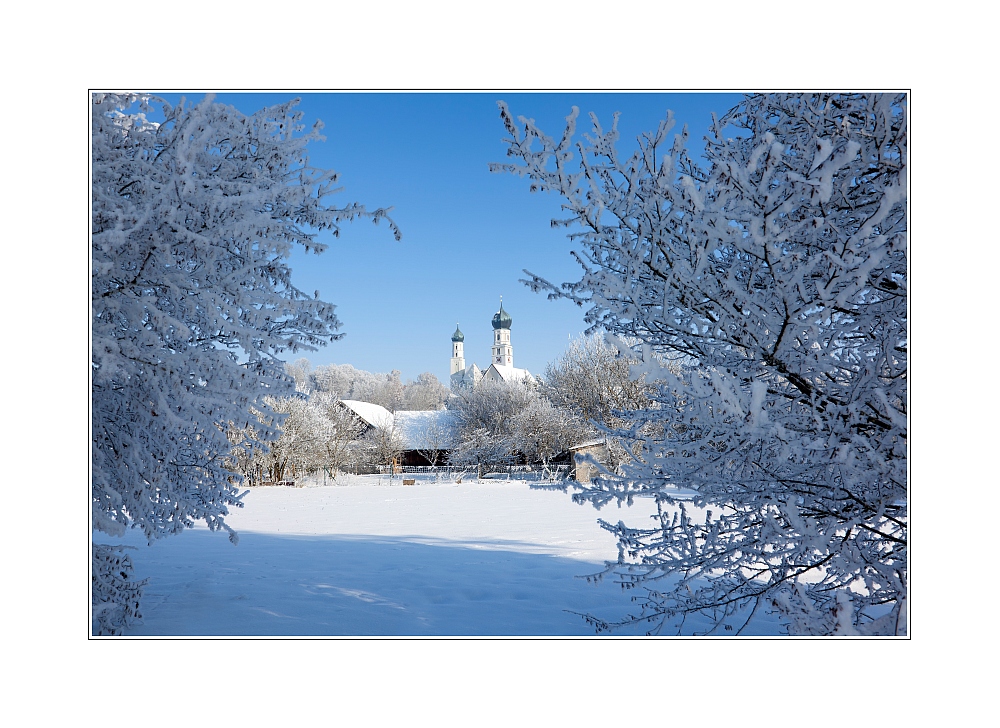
520, 472
536, 473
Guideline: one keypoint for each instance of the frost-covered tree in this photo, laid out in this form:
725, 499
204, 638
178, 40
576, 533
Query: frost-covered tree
541, 431
195, 209
777, 272
392, 392
341, 433
427, 393
382, 446
492, 405
345, 382
593, 379
385, 390
301, 371
335, 379
301, 444
438, 438
482, 449
314, 434
486, 420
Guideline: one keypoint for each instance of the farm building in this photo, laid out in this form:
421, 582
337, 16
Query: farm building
426, 436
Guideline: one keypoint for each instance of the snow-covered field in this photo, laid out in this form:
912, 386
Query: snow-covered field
373, 558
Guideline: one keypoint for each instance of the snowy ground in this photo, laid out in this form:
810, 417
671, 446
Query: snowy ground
373, 558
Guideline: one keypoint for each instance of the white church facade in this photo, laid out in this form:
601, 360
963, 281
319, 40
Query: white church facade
501, 357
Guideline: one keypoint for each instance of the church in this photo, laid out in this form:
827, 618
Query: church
501, 360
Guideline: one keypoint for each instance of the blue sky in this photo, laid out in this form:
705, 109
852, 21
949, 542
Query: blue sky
467, 233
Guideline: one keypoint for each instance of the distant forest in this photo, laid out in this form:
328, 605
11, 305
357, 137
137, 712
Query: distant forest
343, 381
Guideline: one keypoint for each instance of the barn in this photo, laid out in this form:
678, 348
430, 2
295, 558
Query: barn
426, 436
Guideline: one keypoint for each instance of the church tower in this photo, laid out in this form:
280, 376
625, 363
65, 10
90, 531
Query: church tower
503, 352
457, 351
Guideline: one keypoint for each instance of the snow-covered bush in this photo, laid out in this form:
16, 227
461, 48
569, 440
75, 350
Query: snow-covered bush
777, 272
195, 208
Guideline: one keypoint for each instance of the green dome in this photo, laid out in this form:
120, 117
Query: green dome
501, 319
458, 335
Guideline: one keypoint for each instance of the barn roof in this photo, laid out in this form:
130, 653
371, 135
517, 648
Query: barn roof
374, 414
419, 429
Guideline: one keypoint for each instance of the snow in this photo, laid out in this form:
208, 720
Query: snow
374, 414
374, 558
414, 427
509, 373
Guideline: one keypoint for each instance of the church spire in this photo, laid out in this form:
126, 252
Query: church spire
503, 352
457, 351
501, 319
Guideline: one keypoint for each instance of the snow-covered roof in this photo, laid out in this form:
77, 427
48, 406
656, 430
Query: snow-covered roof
510, 374
374, 414
417, 429
589, 443
467, 377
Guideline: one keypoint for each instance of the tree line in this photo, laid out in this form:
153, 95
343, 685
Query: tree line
343, 381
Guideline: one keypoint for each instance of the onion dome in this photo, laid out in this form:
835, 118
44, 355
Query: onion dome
458, 335
501, 319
